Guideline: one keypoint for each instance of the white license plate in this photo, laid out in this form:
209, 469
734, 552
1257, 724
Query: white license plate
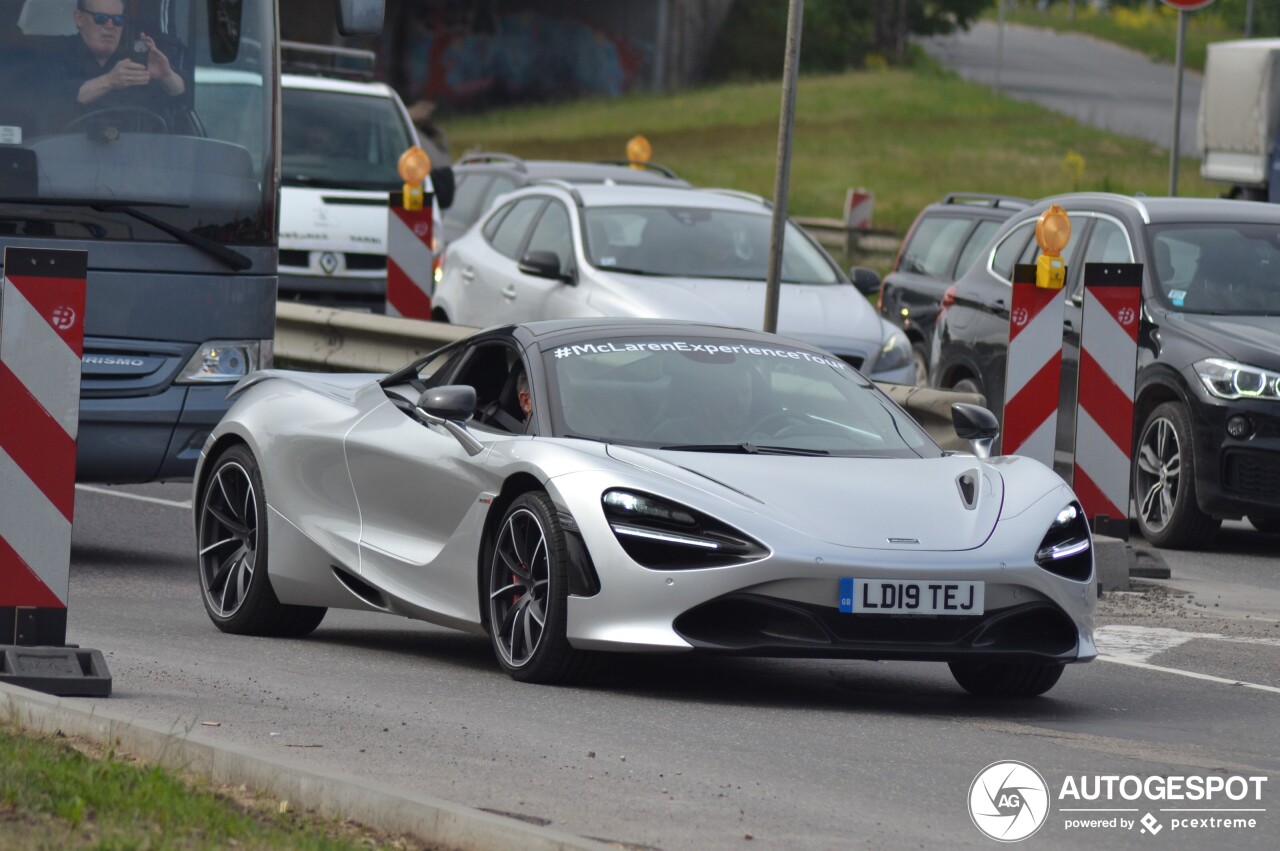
899, 597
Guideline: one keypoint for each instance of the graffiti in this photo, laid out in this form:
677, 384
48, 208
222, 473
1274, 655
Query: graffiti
525, 56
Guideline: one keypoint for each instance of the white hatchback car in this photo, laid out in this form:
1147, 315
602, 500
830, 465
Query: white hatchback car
557, 251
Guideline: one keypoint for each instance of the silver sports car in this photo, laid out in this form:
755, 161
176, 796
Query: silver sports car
580, 486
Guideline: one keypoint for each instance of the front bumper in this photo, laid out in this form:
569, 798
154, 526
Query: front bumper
1236, 476
787, 604
360, 293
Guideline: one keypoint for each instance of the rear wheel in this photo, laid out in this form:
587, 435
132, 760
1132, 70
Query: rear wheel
528, 589
1164, 482
1005, 679
921, 359
232, 554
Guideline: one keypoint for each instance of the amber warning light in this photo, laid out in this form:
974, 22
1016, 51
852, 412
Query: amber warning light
1053, 230
638, 151
414, 166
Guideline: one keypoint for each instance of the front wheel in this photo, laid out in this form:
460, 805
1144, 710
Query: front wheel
1164, 482
231, 540
920, 358
1005, 679
528, 589
967, 385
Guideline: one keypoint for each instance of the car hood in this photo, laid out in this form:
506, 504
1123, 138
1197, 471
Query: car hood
835, 316
869, 503
333, 220
1253, 340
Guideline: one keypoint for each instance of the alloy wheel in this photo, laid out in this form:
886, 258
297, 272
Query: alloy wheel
1157, 477
228, 539
519, 581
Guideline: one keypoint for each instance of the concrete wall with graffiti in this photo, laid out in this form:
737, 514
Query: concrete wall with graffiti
496, 52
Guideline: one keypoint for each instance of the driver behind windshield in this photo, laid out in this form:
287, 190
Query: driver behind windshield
109, 71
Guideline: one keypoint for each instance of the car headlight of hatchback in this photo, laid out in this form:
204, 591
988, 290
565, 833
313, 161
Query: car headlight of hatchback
224, 361
1067, 548
1227, 379
895, 353
668, 536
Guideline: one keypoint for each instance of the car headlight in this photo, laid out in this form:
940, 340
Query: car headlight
224, 361
1067, 548
895, 353
667, 536
1227, 379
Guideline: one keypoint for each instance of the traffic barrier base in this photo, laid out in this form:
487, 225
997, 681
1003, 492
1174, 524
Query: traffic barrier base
64, 671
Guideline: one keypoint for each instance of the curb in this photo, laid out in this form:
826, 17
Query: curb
373, 804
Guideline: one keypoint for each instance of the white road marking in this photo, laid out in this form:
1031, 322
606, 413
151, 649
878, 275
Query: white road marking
1134, 645
172, 503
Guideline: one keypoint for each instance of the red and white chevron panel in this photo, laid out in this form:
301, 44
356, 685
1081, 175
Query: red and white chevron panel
1033, 370
1108, 371
42, 298
410, 260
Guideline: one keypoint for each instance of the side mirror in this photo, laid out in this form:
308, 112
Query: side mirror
865, 280
449, 407
360, 17
542, 264
977, 425
451, 402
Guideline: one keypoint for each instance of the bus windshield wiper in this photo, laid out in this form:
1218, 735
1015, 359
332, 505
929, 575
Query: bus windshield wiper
229, 256
232, 258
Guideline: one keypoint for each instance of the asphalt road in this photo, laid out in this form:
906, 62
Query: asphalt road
1096, 82
683, 753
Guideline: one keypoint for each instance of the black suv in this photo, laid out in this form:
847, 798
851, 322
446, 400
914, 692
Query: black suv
1207, 404
480, 177
941, 244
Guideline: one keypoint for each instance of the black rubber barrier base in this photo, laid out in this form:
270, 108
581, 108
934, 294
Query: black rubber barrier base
61, 671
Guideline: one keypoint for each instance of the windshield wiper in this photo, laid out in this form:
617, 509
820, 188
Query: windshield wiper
745, 448
231, 257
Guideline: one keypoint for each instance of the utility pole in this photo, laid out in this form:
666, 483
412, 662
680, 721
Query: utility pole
782, 181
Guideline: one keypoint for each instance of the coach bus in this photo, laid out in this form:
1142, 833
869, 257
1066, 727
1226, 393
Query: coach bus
104, 148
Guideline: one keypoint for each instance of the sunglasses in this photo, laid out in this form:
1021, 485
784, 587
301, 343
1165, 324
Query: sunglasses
101, 18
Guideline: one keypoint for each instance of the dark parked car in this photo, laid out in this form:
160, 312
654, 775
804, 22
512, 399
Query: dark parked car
480, 177
943, 242
1207, 404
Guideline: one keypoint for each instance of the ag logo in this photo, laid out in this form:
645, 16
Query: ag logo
1008, 801
328, 262
1125, 316
63, 318
1020, 316
421, 228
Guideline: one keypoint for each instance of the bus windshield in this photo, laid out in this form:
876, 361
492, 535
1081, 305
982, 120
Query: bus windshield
113, 107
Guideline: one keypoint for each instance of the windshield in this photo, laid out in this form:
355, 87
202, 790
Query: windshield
126, 104
718, 395
342, 139
699, 243
1218, 268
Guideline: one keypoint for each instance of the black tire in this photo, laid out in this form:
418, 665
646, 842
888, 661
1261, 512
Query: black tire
1005, 679
438, 315
1164, 482
1265, 523
527, 591
920, 356
231, 554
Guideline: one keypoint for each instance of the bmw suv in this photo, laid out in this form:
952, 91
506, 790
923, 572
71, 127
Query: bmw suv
1207, 404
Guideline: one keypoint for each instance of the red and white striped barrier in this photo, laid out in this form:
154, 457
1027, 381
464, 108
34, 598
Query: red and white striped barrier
42, 298
858, 205
410, 259
1033, 370
1104, 404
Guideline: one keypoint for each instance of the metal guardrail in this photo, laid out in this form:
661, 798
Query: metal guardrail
321, 338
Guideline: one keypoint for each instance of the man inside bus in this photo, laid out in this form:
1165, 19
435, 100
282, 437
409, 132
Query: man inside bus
110, 72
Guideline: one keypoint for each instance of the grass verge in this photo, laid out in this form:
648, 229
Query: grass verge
910, 136
56, 796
